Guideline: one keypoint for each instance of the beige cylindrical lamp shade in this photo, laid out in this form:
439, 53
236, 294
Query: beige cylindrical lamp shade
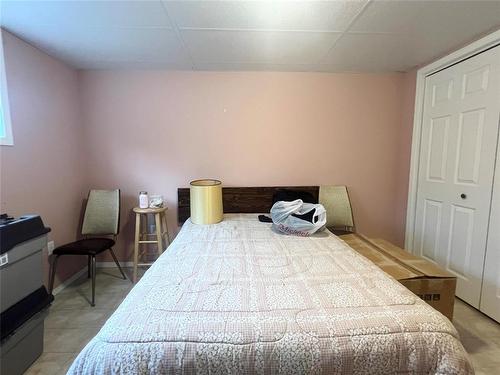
206, 201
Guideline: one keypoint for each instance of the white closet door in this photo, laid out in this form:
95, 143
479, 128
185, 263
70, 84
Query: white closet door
490, 294
456, 169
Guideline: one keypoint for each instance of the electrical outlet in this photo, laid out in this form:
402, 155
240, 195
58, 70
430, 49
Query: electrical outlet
50, 247
4, 259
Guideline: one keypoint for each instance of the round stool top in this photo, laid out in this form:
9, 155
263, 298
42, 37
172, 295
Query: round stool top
139, 210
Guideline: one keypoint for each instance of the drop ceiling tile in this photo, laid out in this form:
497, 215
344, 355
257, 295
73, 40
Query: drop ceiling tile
429, 17
130, 65
268, 15
377, 53
267, 67
103, 44
256, 67
149, 13
425, 30
449, 21
257, 46
387, 35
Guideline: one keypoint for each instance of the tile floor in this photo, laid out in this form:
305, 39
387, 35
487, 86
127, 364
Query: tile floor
72, 323
480, 336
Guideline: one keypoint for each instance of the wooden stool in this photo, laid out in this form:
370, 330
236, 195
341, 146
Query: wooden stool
141, 237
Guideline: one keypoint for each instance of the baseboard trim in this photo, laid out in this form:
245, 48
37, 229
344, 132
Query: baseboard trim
83, 271
113, 264
69, 281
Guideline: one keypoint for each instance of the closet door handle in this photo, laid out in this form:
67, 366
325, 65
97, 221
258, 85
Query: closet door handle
463, 196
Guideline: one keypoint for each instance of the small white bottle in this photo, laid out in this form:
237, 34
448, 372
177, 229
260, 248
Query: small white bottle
143, 199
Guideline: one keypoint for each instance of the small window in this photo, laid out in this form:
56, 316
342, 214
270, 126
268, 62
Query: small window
5, 124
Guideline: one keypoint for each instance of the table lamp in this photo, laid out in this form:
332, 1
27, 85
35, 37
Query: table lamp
206, 201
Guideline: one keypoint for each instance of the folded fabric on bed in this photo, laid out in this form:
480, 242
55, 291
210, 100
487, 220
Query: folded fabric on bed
238, 298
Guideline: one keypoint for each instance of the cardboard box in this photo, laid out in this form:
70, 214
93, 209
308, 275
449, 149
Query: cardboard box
424, 278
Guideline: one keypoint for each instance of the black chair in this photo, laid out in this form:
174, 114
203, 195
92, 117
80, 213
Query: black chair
102, 218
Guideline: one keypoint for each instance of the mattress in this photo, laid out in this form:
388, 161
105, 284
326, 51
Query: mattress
239, 298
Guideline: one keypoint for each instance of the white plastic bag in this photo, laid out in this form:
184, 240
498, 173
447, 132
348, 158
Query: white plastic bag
282, 211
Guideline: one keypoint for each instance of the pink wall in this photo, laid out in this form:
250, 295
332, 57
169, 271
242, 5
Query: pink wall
44, 172
157, 130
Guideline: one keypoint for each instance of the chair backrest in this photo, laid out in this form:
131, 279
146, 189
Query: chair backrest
102, 213
336, 201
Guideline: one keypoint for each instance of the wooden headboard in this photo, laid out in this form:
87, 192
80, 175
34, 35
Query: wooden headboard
248, 200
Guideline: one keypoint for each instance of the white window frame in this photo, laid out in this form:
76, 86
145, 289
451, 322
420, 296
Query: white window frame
470, 50
8, 140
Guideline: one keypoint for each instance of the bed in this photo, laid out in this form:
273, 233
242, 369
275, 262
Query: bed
239, 298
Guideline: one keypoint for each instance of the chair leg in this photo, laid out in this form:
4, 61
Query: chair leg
165, 222
89, 273
93, 281
53, 267
117, 263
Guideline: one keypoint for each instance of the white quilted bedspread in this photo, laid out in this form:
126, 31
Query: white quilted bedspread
238, 298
